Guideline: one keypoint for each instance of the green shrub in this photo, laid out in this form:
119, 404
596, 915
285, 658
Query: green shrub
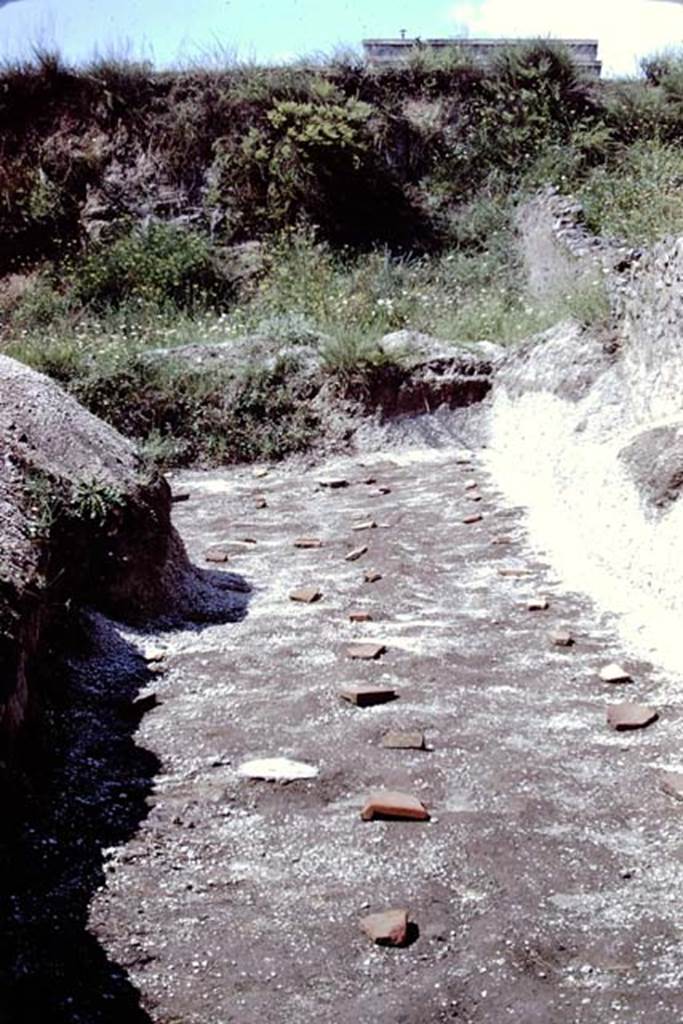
161, 265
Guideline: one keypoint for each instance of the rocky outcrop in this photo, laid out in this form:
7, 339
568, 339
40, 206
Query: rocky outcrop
654, 461
82, 523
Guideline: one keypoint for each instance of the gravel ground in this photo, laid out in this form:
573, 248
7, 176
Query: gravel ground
545, 887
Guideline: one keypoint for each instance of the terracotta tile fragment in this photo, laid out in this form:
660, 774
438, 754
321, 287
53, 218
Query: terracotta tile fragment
366, 652
562, 638
356, 554
388, 928
360, 616
368, 696
306, 595
308, 542
404, 740
476, 518
614, 673
626, 716
387, 803
217, 554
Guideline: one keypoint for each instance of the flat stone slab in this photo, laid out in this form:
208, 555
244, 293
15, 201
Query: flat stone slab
333, 483
476, 518
360, 617
366, 652
672, 783
404, 740
277, 769
372, 576
308, 542
367, 696
368, 524
217, 554
562, 638
623, 717
388, 928
387, 803
306, 595
357, 553
538, 604
615, 674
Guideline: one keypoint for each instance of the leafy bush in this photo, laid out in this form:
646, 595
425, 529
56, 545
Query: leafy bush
160, 265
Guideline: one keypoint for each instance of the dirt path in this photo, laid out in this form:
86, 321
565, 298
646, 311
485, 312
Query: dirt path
546, 886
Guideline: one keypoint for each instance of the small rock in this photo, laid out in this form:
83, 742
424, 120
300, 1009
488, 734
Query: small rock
180, 496
471, 485
368, 524
386, 803
561, 638
248, 540
502, 539
370, 480
360, 617
614, 674
372, 577
383, 490
155, 654
367, 696
366, 652
404, 741
217, 554
307, 595
515, 573
389, 928
355, 554
474, 497
463, 458
538, 604
672, 783
623, 717
260, 503
308, 542
333, 483
476, 518
260, 472
277, 769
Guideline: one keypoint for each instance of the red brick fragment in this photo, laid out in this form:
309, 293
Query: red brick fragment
388, 928
308, 542
368, 696
626, 716
386, 803
366, 652
306, 595
360, 616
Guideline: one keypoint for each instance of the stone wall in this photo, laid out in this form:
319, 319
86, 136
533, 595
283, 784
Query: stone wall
559, 254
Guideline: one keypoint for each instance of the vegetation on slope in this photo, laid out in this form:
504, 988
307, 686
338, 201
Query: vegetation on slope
314, 206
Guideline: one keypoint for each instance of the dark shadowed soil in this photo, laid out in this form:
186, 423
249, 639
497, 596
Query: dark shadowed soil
546, 887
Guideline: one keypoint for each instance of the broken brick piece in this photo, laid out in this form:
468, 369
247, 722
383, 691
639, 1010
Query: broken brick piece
561, 638
538, 604
333, 483
360, 617
366, 652
372, 577
623, 717
217, 554
368, 524
386, 803
672, 783
389, 928
476, 518
306, 595
308, 542
355, 554
367, 696
404, 740
614, 674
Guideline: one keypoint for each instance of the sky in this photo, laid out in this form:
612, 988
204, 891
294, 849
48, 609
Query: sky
172, 31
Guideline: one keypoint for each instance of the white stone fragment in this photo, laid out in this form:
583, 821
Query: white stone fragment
277, 769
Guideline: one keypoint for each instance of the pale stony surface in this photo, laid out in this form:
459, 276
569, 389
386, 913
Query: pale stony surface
545, 884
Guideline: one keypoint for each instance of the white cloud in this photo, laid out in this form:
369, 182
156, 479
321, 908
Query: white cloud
627, 29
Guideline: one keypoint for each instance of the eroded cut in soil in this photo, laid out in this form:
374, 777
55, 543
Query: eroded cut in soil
545, 887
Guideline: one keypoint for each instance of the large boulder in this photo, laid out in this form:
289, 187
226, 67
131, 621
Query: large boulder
654, 460
82, 522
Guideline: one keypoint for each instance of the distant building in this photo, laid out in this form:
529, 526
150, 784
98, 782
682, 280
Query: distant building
391, 51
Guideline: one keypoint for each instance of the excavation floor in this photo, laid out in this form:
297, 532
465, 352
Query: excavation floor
546, 887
